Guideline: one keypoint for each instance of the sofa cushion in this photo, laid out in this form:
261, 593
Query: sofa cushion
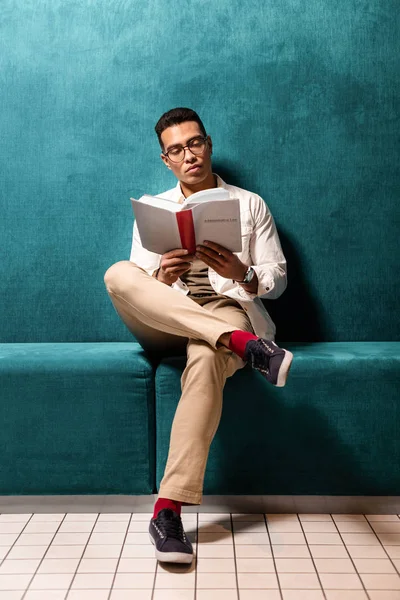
333, 429
76, 418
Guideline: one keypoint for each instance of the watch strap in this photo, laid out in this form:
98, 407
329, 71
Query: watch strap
246, 278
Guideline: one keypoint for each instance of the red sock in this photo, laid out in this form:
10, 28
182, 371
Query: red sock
166, 503
238, 341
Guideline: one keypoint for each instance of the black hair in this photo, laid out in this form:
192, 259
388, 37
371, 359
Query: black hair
175, 116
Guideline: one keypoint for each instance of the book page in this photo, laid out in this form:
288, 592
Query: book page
159, 202
158, 228
207, 196
219, 222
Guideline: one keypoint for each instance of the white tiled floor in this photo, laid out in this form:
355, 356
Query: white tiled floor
108, 556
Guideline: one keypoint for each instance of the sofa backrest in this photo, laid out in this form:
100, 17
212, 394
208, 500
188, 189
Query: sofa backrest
300, 99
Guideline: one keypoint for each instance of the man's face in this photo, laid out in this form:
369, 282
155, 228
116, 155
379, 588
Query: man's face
192, 169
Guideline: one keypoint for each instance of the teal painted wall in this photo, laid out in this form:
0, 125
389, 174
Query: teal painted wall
301, 100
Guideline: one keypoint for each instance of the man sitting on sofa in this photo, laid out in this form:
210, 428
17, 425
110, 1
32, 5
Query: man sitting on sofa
208, 305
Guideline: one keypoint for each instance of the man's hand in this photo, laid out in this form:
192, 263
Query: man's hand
223, 261
173, 265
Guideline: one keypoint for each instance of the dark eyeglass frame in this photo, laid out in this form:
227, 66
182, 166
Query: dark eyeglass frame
196, 139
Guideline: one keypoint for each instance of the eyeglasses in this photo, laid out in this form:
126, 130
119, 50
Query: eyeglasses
196, 147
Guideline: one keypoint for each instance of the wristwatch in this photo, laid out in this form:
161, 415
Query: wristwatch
248, 276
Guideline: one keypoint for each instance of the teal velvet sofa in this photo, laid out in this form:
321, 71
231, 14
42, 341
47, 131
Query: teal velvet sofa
77, 418
313, 130
95, 418
332, 430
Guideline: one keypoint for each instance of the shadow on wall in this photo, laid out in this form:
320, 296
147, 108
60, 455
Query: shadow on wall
283, 443
286, 441
297, 314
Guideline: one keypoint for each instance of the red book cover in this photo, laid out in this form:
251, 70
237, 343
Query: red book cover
186, 230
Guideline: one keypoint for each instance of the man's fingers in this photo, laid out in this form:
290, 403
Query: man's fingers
175, 253
207, 256
178, 270
174, 267
173, 262
217, 248
205, 251
210, 261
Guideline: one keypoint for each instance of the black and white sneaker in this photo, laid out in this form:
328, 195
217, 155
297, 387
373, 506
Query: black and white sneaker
272, 361
169, 538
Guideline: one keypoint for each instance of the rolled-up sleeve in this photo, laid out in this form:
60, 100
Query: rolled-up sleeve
268, 260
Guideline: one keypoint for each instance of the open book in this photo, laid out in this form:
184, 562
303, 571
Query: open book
166, 225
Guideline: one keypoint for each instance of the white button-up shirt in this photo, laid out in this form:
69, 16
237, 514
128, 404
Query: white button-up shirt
261, 249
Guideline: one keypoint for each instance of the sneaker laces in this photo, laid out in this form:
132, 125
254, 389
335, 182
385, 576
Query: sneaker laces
256, 355
170, 523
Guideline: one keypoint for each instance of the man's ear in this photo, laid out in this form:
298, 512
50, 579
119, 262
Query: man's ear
165, 160
209, 143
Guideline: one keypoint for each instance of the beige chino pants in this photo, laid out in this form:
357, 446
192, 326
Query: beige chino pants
165, 321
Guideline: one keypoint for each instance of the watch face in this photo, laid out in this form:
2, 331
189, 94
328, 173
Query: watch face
249, 275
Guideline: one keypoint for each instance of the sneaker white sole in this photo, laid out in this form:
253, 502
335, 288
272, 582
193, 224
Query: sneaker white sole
173, 557
284, 368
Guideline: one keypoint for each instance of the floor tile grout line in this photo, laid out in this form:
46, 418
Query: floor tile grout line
153, 589
15, 541
351, 558
47, 549
273, 555
190, 588
312, 557
120, 554
234, 558
384, 549
197, 518
83, 553
205, 572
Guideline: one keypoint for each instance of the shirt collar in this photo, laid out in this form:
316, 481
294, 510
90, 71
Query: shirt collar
181, 198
